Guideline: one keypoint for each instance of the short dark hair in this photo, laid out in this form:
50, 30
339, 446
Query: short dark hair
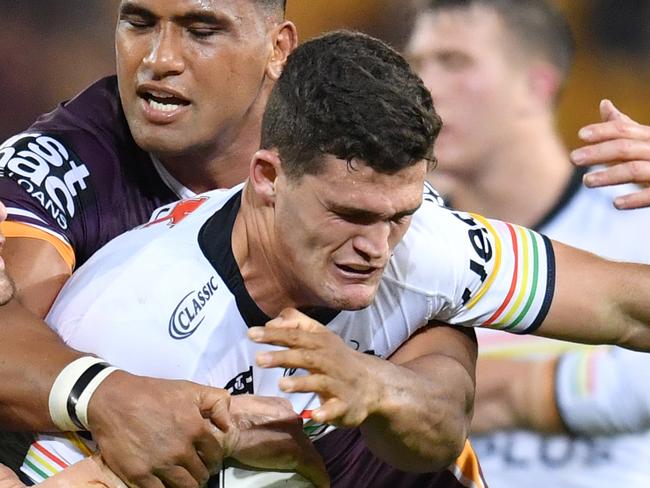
351, 96
279, 5
537, 25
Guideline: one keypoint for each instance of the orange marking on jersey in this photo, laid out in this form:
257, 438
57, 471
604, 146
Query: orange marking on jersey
179, 211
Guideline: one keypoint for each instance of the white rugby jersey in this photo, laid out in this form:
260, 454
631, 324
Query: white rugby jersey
167, 299
599, 389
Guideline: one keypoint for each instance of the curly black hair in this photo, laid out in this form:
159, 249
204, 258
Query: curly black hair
351, 96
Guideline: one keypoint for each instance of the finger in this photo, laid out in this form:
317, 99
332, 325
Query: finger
630, 172
617, 129
209, 447
293, 338
314, 383
331, 412
178, 477
639, 199
214, 404
149, 481
611, 152
313, 469
309, 359
608, 111
194, 466
291, 318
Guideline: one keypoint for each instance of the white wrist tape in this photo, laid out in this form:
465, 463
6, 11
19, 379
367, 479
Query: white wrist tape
68, 396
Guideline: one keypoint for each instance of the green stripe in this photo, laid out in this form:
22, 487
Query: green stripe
38, 471
531, 297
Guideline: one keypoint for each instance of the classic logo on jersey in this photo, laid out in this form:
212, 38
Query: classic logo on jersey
47, 171
241, 384
188, 314
173, 214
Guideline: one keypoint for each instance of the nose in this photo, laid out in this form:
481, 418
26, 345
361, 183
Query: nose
373, 244
165, 58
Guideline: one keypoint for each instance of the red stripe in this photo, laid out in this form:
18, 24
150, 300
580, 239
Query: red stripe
306, 414
48, 454
513, 284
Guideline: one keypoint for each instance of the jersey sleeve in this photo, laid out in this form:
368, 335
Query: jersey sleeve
48, 192
482, 272
592, 397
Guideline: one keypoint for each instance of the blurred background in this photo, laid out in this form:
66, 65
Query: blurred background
51, 49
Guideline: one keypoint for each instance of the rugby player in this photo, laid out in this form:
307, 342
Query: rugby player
495, 69
182, 116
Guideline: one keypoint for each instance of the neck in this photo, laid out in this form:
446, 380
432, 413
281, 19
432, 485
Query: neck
256, 254
207, 169
520, 182
224, 162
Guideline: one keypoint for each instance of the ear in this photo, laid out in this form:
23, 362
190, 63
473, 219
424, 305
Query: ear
264, 169
285, 40
544, 81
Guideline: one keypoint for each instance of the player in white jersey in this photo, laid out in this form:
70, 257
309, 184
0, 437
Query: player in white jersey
513, 57
315, 228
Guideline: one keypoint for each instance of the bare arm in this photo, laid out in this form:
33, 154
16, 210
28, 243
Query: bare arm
621, 144
407, 418
516, 394
597, 301
32, 354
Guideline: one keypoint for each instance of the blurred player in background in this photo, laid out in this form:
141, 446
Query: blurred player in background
495, 69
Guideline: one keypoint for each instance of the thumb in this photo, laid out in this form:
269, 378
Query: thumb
214, 404
609, 112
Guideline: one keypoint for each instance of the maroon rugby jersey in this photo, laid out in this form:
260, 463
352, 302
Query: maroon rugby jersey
76, 177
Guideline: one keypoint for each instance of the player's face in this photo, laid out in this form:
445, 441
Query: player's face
337, 229
461, 54
6, 284
192, 72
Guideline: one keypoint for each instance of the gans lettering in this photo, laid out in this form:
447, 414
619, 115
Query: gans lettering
478, 237
187, 315
47, 171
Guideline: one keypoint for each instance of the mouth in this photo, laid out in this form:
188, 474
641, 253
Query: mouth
357, 271
162, 103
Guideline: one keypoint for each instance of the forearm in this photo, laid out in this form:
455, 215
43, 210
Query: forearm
31, 356
516, 394
425, 414
598, 301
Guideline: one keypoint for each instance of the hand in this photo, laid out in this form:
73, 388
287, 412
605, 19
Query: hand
270, 436
8, 479
623, 145
342, 377
88, 473
154, 433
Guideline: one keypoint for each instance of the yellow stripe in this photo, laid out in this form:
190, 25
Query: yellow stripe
524, 279
79, 444
42, 461
497, 261
20, 229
